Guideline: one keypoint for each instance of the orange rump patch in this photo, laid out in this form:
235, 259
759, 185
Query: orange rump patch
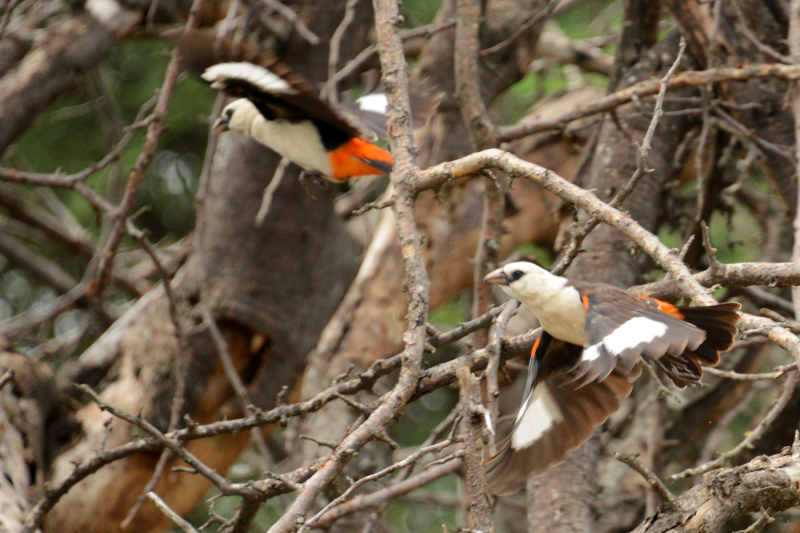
585, 300
665, 307
358, 157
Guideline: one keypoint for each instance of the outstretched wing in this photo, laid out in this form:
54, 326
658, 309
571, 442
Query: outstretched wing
623, 328
243, 70
556, 416
278, 99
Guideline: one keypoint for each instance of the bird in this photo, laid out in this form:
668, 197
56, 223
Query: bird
280, 109
282, 112
587, 357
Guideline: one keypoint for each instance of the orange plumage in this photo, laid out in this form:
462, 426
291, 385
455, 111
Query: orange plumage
358, 157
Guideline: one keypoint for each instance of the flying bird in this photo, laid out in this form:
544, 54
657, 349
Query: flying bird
586, 359
281, 111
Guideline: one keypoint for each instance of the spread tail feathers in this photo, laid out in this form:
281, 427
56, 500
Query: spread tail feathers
719, 323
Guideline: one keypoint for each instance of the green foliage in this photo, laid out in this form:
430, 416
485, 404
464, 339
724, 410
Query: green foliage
420, 11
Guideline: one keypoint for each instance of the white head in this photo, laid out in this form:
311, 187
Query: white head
526, 281
238, 116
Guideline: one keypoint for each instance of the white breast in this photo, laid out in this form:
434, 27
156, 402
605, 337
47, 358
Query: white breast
563, 316
557, 305
297, 141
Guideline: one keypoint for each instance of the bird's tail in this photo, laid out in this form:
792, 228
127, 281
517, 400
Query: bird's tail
719, 323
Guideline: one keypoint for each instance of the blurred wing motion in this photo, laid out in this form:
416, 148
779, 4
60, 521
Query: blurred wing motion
557, 414
282, 111
279, 109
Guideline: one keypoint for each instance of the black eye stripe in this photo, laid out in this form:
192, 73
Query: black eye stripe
516, 275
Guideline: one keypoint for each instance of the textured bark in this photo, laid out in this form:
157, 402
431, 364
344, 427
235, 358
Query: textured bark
639, 35
560, 502
765, 482
34, 424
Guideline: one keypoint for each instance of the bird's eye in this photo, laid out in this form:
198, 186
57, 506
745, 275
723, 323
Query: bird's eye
229, 113
516, 275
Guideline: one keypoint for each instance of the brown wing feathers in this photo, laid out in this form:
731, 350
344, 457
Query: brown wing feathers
200, 49
582, 409
623, 328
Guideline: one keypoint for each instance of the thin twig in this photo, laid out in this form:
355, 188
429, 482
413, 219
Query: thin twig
232, 374
766, 518
178, 399
465, 328
653, 480
779, 372
538, 17
647, 88
169, 513
269, 191
105, 257
6, 378
315, 520
475, 416
331, 89
290, 15
366, 501
495, 342
777, 407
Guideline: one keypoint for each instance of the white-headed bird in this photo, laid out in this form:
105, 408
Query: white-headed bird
281, 111
586, 359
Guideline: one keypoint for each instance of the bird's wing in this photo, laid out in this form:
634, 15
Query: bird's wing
244, 70
623, 328
556, 416
371, 108
279, 98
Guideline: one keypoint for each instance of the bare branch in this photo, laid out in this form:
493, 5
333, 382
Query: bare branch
653, 480
169, 513
731, 492
647, 88
778, 405
474, 416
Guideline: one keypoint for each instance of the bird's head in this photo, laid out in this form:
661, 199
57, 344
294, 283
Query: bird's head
523, 280
236, 116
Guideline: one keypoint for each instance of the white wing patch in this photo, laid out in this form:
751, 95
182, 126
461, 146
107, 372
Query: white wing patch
591, 353
377, 103
539, 413
636, 331
259, 76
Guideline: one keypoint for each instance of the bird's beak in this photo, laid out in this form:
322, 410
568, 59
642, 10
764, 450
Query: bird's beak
497, 277
220, 125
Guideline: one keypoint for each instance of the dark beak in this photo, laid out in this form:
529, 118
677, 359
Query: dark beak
220, 125
497, 277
